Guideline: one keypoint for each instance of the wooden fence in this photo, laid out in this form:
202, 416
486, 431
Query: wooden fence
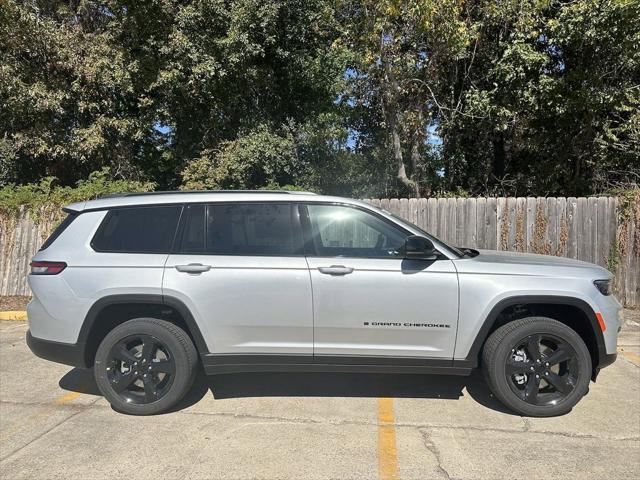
588, 229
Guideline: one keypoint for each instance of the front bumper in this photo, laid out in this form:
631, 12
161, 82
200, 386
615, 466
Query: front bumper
66, 353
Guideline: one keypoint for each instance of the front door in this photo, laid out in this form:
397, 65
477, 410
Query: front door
367, 300
241, 270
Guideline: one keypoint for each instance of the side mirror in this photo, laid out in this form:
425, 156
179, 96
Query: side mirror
419, 248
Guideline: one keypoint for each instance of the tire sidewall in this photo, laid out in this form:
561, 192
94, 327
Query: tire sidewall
183, 370
499, 379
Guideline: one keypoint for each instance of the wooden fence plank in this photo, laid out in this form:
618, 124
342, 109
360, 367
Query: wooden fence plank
502, 223
563, 227
584, 231
572, 222
530, 221
592, 215
551, 210
491, 214
481, 224
432, 216
451, 236
442, 219
472, 205
602, 240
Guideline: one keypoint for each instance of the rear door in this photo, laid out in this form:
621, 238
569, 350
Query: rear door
241, 270
368, 300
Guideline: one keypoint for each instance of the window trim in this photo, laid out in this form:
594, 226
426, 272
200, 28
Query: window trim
110, 211
310, 248
298, 232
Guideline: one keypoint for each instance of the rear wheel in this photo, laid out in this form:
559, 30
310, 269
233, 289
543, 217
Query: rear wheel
145, 366
537, 366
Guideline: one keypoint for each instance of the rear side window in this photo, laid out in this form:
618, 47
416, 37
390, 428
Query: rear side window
138, 230
59, 229
241, 229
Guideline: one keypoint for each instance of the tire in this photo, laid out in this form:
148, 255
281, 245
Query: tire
145, 366
543, 384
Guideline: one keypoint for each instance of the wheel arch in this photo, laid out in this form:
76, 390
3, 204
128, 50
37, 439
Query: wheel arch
585, 324
113, 310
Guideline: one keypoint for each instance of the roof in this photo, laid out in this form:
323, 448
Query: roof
155, 198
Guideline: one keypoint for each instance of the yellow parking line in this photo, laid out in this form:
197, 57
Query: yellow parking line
13, 315
67, 397
634, 358
387, 450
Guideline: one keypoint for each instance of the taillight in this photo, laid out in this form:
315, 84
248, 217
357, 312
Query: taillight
47, 268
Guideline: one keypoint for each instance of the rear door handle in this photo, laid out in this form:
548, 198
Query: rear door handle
193, 268
336, 270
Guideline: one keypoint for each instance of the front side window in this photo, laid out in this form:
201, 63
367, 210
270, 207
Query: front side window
240, 229
341, 231
138, 230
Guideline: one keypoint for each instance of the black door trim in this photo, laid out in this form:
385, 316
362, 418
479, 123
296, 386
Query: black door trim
220, 363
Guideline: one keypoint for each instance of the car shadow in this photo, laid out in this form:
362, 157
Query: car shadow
313, 384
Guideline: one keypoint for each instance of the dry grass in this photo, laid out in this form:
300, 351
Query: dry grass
12, 303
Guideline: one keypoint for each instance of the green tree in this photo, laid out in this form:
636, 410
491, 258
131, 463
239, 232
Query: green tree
147, 86
551, 105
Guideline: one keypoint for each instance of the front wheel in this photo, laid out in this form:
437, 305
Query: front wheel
537, 366
145, 366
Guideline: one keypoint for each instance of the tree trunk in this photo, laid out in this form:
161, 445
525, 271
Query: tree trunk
389, 103
415, 161
397, 153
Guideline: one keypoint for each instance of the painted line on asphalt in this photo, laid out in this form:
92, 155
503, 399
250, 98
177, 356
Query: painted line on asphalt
632, 357
13, 315
387, 449
67, 397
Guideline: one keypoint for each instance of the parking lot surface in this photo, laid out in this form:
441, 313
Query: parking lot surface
54, 424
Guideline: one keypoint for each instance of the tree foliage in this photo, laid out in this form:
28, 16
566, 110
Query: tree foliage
354, 97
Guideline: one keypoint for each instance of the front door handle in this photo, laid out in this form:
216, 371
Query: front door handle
336, 270
193, 268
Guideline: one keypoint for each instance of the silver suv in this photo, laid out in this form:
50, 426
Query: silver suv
145, 287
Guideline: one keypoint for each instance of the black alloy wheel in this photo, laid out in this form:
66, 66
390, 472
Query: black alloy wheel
141, 369
542, 369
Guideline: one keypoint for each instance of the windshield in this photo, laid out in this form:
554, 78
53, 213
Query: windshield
406, 223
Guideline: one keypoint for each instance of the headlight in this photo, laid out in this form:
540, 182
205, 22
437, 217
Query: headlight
605, 286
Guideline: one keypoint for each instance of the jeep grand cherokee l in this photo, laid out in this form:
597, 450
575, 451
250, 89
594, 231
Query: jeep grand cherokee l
144, 287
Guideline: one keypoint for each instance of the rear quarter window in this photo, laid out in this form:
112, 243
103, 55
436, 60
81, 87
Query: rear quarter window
138, 230
59, 229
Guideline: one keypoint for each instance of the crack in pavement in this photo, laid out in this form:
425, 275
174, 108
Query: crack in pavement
431, 446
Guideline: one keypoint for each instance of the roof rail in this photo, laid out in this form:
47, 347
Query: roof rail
178, 192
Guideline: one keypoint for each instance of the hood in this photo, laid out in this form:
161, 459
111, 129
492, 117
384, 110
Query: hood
530, 264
